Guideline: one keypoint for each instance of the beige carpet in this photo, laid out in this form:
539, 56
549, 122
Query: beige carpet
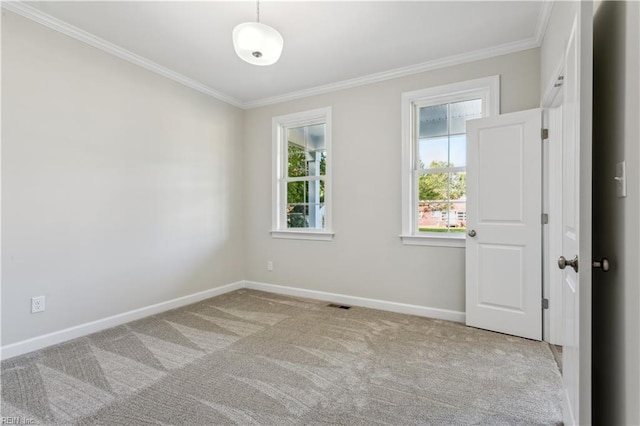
255, 358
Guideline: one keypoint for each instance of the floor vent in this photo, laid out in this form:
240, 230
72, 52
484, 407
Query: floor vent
334, 305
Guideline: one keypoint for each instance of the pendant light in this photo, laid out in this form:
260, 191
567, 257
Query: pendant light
257, 43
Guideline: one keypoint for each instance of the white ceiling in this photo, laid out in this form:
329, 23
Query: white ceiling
328, 44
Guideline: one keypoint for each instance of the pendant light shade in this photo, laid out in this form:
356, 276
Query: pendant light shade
257, 43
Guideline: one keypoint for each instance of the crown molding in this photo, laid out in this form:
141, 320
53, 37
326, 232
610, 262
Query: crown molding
477, 55
543, 20
47, 20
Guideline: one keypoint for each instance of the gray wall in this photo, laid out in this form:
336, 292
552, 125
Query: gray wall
616, 107
120, 188
367, 258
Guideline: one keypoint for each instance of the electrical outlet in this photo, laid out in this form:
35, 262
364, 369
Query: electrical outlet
269, 265
37, 304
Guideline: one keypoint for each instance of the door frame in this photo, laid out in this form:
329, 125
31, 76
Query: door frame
552, 317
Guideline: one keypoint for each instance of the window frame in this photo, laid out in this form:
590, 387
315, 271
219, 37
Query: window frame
487, 89
280, 125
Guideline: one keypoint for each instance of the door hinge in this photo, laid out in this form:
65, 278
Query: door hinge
544, 134
545, 303
545, 218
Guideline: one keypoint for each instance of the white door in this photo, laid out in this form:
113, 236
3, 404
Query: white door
576, 220
504, 241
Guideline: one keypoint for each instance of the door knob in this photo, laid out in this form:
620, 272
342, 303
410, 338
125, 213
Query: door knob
563, 263
602, 264
472, 233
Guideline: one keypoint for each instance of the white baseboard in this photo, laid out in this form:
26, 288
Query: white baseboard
402, 308
39, 342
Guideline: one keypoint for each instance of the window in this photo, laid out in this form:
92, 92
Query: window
301, 175
435, 156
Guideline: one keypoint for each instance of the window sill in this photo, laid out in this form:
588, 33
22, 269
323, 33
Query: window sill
434, 241
303, 235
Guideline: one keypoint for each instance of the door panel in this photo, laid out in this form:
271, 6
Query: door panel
503, 205
503, 259
498, 265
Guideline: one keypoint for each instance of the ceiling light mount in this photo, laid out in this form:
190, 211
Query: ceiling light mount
257, 43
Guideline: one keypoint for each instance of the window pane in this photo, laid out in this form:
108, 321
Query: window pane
458, 151
433, 187
297, 165
433, 153
430, 216
315, 137
295, 135
463, 111
297, 216
306, 216
458, 186
307, 151
433, 121
297, 192
312, 191
445, 217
